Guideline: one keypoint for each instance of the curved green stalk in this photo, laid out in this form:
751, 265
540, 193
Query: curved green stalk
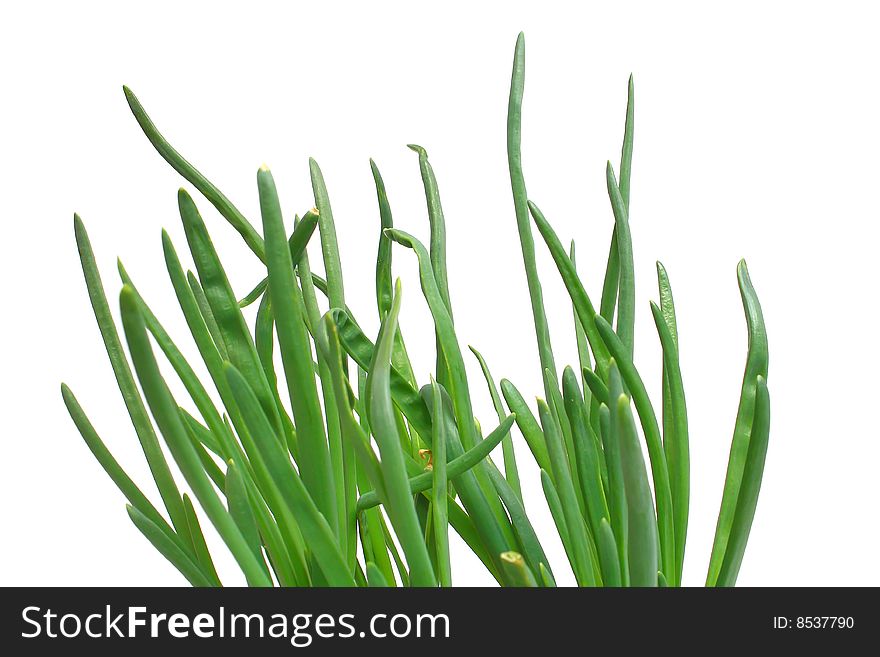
224, 306
583, 348
612, 269
192, 175
384, 284
651, 430
579, 297
400, 502
437, 222
756, 365
316, 529
446, 335
585, 453
403, 394
642, 546
527, 423
327, 228
574, 522
676, 443
165, 411
130, 394
753, 473
287, 306
626, 302
511, 474
520, 203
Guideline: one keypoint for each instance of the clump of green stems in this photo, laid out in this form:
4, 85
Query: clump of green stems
355, 478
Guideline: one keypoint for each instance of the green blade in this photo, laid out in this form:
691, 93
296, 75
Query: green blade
317, 533
627, 291
520, 203
316, 530
240, 509
400, 501
287, 306
527, 424
329, 246
164, 410
458, 385
612, 270
756, 365
576, 291
200, 547
676, 442
511, 473
608, 558
585, 453
751, 485
111, 466
438, 495
574, 522
648, 421
224, 306
193, 176
169, 549
642, 545
130, 394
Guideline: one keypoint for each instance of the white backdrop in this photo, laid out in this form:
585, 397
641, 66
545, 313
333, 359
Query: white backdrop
756, 135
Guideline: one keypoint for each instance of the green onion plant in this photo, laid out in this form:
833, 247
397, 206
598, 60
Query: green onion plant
340, 468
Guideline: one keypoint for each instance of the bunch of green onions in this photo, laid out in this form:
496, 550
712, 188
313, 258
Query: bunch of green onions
351, 473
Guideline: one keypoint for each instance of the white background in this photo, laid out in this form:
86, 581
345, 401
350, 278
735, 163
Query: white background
756, 135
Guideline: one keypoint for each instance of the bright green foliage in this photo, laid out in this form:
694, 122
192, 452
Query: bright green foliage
340, 468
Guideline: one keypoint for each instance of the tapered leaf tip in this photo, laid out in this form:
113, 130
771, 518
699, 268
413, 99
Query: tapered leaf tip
418, 149
183, 196
128, 300
129, 94
742, 274
537, 215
